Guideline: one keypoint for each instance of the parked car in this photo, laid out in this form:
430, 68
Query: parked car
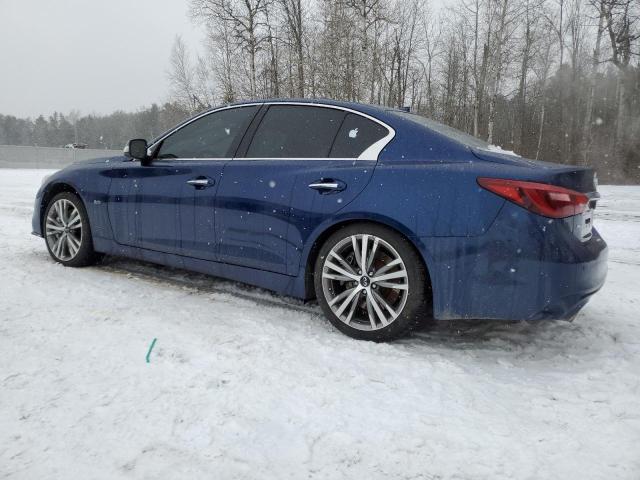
76, 145
387, 218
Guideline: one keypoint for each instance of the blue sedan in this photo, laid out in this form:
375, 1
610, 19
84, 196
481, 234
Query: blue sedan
387, 218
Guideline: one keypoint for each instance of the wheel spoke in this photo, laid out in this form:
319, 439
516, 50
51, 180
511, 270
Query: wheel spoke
71, 247
371, 314
345, 304
340, 296
74, 220
340, 270
354, 243
363, 261
74, 242
389, 276
58, 208
57, 247
384, 303
52, 220
372, 255
340, 278
354, 304
53, 228
342, 262
396, 286
67, 208
389, 266
376, 307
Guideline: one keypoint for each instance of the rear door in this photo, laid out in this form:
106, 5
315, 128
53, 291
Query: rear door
349, 168
254, 199
283, 180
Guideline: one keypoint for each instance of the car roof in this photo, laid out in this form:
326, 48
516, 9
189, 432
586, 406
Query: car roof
383, 114
375, 110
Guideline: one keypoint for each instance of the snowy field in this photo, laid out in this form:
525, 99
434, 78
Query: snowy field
245, 384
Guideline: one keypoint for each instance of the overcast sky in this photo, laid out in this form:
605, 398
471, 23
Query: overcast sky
90, 55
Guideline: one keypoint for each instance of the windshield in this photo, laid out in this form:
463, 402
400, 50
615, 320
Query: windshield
449, 132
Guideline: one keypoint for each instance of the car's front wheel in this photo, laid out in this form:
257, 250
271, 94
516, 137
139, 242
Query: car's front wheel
371, 283
67, 231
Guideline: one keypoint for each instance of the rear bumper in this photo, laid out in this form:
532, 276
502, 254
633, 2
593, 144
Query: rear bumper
525, 267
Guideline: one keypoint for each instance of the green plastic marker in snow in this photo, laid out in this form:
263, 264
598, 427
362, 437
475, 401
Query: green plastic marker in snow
151, 348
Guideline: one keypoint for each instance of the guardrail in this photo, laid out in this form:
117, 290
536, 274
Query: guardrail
14, 156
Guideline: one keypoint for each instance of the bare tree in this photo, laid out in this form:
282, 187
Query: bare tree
526, 74
181, 76
247, 20
587, 137
622, 23
294, 15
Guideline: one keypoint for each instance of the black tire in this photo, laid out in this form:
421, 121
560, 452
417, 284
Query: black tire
415, 309
85, 254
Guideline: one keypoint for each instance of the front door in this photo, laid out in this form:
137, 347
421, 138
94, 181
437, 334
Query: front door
197, 153
168, 205
145, 204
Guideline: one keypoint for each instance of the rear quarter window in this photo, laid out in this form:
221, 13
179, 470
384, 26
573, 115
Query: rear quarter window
356, 135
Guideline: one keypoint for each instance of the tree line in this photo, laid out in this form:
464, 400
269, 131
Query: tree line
96, 131
555, 80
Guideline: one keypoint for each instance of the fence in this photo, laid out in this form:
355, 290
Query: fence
12, 156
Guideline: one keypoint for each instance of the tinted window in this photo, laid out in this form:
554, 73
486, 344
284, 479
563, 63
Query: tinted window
355, 136
208, 137
289, 131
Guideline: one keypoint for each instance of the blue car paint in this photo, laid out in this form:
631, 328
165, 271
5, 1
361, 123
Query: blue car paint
259, 222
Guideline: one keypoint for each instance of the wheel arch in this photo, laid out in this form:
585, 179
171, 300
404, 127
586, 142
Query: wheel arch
53, 190
324, 233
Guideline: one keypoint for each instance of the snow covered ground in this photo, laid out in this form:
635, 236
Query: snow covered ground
245, 384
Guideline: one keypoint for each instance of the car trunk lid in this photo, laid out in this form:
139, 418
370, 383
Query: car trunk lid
580, 179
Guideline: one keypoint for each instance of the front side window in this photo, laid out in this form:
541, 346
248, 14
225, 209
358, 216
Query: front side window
296, 131
356, 134
211, 136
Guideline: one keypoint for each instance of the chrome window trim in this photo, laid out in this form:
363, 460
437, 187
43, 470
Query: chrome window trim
196, 159
293, 159
371, 153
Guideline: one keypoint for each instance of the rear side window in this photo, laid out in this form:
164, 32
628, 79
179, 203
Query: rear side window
211, 136
355, 136
291, 131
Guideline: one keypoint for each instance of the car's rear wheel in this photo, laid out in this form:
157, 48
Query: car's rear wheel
371, 283
67, 231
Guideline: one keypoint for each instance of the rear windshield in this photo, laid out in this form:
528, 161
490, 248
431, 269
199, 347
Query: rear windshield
449, 132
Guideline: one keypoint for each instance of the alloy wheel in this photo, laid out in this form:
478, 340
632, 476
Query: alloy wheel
63, 229
365, 282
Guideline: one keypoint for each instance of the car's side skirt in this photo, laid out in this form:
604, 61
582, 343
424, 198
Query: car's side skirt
279, 283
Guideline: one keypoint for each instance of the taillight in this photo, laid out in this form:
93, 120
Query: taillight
547, 200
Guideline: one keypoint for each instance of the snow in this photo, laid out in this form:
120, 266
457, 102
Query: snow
244, 384
498, 149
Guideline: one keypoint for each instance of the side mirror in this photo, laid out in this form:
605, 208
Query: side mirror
137, 148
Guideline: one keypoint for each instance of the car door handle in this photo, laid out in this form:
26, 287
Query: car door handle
328, 185
201, 182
